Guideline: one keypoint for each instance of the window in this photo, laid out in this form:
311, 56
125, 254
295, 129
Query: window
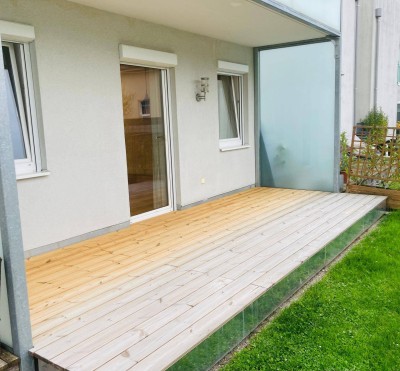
398, 112
398, 73
230, 104
21, 107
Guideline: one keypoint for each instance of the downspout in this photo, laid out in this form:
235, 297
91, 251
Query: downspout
357, 31
378, 16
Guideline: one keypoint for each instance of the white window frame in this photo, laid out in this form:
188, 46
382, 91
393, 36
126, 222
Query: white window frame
14, 35
240, 70
237, 141
131, 55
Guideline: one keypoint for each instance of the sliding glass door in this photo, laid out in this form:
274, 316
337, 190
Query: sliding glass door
147, 140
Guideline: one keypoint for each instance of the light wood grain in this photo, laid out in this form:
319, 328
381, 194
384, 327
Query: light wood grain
126, 299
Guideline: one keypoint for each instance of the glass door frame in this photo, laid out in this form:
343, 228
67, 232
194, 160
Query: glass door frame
169, 153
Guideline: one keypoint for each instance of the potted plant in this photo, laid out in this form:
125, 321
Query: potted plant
344, 156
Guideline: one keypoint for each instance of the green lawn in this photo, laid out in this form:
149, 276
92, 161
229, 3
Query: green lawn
350, 320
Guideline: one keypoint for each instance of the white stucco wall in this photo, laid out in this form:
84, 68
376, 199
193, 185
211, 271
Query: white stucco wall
365, 59
388, 58
79, 80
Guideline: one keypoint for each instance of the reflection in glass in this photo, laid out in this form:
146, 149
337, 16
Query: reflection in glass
144, 138
15, 104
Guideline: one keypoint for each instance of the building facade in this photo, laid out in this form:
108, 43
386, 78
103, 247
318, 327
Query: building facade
370, 47
113, 112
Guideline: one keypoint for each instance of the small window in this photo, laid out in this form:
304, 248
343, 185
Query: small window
21, 107
398, 73
230, 104
398, 112
145, 107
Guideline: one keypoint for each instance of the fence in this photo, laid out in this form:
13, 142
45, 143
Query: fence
374, 162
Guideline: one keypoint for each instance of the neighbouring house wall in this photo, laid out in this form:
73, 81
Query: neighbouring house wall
347, 66
365, 59
388, 58
79, 81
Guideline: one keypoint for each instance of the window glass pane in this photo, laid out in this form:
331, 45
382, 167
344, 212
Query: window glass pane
145, 138
398, 73
398, 112
15, 122
229, 102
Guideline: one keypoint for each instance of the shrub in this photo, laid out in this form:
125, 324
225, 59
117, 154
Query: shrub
377, 121
376, 118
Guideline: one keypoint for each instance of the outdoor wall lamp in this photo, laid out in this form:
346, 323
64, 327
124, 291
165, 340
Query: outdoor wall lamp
203, 89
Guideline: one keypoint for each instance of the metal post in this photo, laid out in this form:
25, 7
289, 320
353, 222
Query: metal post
336, 167
355, 82
11, 237
378, 16
257, 109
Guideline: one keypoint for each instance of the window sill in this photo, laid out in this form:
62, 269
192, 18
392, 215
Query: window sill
33, 175
234, 148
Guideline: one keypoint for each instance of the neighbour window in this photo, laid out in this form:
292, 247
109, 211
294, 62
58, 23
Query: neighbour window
398, 112
230, 104
398, 73
21, 107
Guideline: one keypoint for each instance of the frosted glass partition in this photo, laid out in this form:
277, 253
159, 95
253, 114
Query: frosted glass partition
324, 11
297, 117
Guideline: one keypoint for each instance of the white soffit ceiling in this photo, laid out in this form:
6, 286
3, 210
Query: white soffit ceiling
239, 21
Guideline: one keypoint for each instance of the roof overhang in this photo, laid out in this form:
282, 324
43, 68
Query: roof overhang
252, 23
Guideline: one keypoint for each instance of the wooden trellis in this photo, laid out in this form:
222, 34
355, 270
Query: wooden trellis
374, 162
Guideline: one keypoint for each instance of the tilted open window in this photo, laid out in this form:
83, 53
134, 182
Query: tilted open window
230, 105
19, 90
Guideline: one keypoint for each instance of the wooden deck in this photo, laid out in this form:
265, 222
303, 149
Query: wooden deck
142, 297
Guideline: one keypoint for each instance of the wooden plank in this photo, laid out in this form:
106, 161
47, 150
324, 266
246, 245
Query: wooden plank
158, 222
224, 258
273, 240
166, 354
226, 232
393, 196
190, 304
140, 344
135, 294
81, 305
123, 321
288, 265
169, 330
116, 245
